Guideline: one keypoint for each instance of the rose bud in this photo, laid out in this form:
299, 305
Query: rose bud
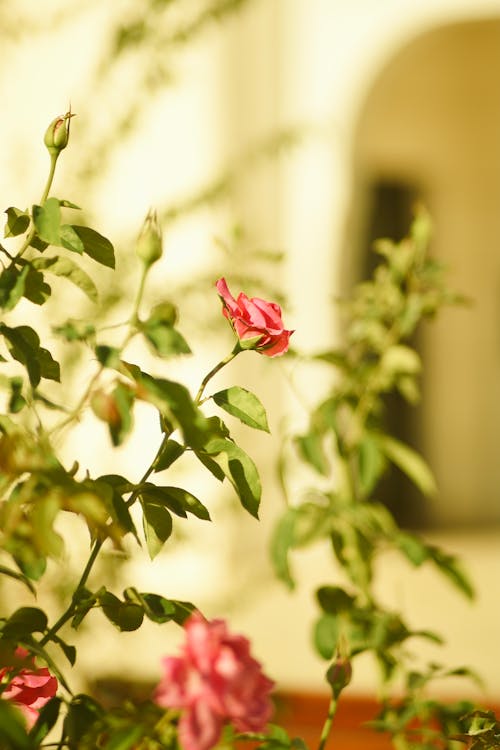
149, 246
57, 134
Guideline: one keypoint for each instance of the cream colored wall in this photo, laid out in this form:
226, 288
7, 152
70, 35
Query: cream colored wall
281, 62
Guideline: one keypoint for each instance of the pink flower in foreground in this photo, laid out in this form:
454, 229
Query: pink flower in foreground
216, 680
255, 318
30, 688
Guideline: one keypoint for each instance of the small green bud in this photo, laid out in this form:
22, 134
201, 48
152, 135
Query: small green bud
57, 134
149, 243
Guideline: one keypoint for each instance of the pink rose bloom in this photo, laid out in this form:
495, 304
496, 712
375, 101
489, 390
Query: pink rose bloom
30, 688
216, 680
252, 318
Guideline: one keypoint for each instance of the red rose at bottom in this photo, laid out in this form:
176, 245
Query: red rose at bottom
30, 688
216, 680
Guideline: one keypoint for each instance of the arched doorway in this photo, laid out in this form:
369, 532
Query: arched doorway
430, 126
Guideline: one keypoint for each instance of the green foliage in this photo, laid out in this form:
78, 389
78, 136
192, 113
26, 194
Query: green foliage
38, 488
347, 446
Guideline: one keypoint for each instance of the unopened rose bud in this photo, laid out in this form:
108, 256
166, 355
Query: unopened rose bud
149, 246
339, 675
57, 134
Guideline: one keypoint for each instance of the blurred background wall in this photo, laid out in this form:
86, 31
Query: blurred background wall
306, 127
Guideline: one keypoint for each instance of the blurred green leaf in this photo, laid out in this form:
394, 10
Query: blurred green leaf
326, 635
126, 616
333, 599
311, 449
17, 222
47, 717
410, 463
165, 340
282, 542
66, 268
13, 735
24, 621
18, 577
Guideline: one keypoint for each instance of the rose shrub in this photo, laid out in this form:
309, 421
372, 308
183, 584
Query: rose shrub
216, 680
29, 688
254, 318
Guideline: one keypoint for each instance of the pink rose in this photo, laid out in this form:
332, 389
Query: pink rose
216, 680
29, 689
255, 319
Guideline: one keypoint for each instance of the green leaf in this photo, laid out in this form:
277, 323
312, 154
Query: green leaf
75, 330
17, 222
157, 523
333, 599
179, 501
108, 356
451, 568
311, 449
126, 616
165, 340
49, 368
24, 621
70, 240
36, 289
47, 718
281, 544
47, 219
38, 243
158, 609
240, 470
124, 739
416, 551
171, 451
13, 735
174, 402
84, 601
68, 269
12, 286
371, 464
326, 635
123, 399
83, 711
17, 402
18, 577
69, 204
24, 346
244, 405
96, 246
410, 463
68, 650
